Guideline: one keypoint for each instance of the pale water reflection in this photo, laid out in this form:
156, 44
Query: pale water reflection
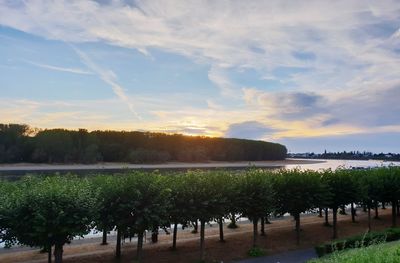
334, 164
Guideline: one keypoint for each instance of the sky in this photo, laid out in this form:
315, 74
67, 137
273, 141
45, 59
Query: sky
313, 75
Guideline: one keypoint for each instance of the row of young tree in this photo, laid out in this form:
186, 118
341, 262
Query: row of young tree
48, 212
21, 143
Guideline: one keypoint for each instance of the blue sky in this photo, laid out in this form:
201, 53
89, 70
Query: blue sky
312, 75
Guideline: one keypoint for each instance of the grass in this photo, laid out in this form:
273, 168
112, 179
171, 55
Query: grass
367, 239
380, 253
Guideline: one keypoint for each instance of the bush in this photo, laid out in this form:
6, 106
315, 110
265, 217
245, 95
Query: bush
232, 225
380, 253
368, 239
256, 252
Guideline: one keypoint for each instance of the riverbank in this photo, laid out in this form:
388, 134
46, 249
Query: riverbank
170, 165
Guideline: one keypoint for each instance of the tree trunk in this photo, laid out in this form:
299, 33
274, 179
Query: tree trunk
118, 246
343, 210
319, 212
49, 255
398, 208
394, 214
334, 211
376, 210
353, 213
58, 253
174, 236
195, 227
369, 218
326, 217
383, 205
255, 231
297, 219
154, 236
364, 208
263, 226
202, 248
104, 241
233, 221
221, 230
267, 220
139, 247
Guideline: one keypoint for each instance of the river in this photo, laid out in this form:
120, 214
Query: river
16, 171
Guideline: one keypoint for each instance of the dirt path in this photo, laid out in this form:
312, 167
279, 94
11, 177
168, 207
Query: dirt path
280, 238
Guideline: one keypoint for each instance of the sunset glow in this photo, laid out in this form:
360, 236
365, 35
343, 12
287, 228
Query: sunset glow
311, 75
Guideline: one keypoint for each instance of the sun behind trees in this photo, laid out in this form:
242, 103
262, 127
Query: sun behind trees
48, 212
20, 143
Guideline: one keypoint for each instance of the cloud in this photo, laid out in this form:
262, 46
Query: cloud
367, 108
220, 78
286, 105
57, 68
108, 77
336, 62
248, 130
73, 114
261, 35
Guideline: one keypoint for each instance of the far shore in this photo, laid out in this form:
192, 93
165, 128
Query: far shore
169, 165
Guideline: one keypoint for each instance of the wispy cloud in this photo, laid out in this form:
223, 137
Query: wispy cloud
249, 130
108, 77
336, 62
57, 68
218, 76
262, 35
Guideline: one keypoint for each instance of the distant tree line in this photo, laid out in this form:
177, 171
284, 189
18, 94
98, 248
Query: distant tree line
48, 212
21, 143
351, 155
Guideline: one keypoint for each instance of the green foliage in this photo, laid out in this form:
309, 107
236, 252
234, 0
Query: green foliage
367, 239
378, 253
256, 252
390, 180
19, 143
255, 194
206, 199
148, 156
370, 186
107, 199
6, 191
232, 225
343, 188
298, 192
15, 143
54, 145
50, 211
179, 212
43, 211
149, 208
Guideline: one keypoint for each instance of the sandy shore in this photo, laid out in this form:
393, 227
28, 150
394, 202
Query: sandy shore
171, 165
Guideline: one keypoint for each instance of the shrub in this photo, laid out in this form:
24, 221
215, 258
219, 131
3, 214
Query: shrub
368, 239
380, 253
256, 252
